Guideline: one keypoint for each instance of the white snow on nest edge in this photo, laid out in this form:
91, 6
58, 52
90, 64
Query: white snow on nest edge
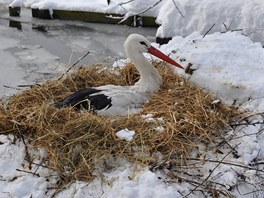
125, 134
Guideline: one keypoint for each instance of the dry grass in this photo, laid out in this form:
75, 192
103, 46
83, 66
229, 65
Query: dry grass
77, 142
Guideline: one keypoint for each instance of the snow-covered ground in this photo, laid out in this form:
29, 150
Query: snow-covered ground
227, 64
177, 17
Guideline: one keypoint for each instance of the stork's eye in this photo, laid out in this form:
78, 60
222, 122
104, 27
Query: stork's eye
143, 43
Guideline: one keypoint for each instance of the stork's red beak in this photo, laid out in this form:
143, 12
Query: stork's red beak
155, 52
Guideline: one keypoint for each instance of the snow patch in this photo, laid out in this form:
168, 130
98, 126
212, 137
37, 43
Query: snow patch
125, 134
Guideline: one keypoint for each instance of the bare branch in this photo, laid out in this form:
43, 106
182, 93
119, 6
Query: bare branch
209, 30
227, 163
177, 8
150, 7
74, 65
9, 87
206, 179
121, 4
131, 14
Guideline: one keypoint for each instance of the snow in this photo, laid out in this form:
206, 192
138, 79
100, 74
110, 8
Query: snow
238, 15
226, 60
16, 3
121, 63
147, 179
115, 6
229, 65
125, 134
15, 181
159, 128
176, 17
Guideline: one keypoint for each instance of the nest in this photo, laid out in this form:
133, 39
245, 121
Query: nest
78, 142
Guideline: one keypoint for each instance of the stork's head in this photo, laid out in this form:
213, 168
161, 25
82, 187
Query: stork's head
136, 43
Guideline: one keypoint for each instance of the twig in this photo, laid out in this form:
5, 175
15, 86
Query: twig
150, 7
254, 191
223, 162
177, 8
125, 17
227, 28
38, 164
209, 30
28, 85
28, 172
261, 162
9, 87
246, 124
194, 183
122, 3
74, 64
27, 155
206, 179
235, 30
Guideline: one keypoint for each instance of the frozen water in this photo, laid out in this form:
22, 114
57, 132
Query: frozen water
34, 50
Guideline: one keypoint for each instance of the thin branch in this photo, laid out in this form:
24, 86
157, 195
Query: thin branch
209, 30
177, 8
74, 64
150, 7
28, 85
9, 87
223, 162
206, 179
227, 28
140, 13
194, 183
246, 124
123, 3
28, 172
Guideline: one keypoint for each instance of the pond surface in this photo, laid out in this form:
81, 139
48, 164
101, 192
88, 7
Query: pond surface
33, 50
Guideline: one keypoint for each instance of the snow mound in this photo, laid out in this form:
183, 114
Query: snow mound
228, 64
199, 16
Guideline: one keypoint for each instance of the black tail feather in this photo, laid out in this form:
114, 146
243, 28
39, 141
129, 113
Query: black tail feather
85, 99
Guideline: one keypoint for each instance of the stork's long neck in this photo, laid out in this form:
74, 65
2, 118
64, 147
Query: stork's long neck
150, 79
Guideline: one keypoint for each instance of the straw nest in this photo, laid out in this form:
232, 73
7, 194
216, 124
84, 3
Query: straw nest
78, 142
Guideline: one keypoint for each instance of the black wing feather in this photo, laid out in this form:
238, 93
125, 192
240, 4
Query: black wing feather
84, 98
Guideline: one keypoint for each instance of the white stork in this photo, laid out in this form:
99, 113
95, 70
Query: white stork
122, 100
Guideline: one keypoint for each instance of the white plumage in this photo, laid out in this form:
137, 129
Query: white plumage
122, 100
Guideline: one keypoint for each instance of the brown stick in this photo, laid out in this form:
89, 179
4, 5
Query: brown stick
177, 8
223, 162
74, 65
206, 179
209, 30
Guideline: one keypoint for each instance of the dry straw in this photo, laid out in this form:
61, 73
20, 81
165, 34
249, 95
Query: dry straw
78, 142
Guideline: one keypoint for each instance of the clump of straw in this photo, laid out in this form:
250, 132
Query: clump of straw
77, 142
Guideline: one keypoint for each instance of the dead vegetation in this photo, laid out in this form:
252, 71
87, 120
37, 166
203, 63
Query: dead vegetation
77, 142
